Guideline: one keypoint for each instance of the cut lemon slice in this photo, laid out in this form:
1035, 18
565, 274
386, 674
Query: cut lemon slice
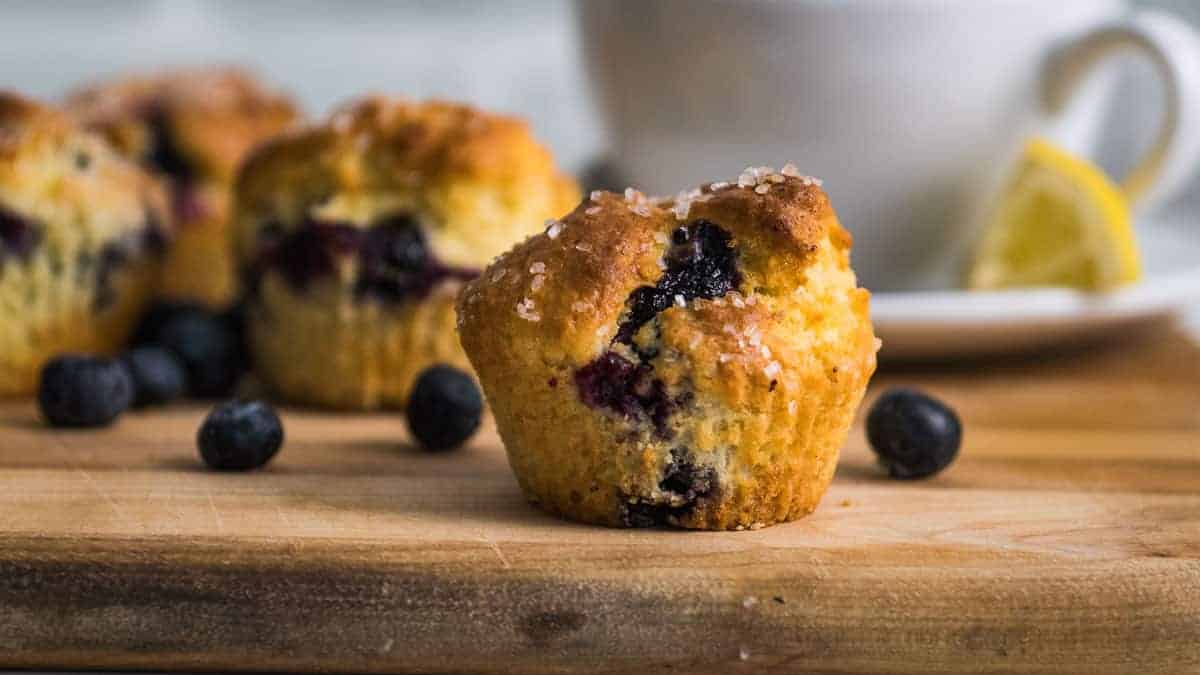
1060, 222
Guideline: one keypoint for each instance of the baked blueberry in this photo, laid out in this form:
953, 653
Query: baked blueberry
445, 408
617, 384
914, 435
209, 348
701, 263
313, 251
239, 435
163, 154
158, 375
83, 391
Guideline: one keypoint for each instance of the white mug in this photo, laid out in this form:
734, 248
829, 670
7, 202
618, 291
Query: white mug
908, 109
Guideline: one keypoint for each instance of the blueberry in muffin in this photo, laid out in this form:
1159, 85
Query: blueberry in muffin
355, 236
82, 235
693, 362
191, 128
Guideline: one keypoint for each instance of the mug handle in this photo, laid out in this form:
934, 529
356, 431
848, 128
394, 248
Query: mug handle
1174, 49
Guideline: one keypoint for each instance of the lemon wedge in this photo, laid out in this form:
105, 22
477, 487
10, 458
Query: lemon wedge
1060, 222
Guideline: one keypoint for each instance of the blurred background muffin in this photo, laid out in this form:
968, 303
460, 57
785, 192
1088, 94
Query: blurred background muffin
82, 233
354, 236
192, 128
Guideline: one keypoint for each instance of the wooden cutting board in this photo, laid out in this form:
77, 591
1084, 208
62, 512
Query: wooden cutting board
1066, 539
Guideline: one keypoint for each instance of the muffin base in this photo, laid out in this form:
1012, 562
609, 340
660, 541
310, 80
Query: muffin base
52, 314
324, 349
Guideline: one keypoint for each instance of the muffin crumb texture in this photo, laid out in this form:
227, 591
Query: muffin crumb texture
693, 361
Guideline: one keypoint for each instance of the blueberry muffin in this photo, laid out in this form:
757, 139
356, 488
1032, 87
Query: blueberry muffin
82, 234
356, 235
192, 128
693, 362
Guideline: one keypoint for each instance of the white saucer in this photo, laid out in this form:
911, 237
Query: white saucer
956, 323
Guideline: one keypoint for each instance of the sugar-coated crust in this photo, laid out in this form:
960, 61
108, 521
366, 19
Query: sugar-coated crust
215, 115
94, 218
475, 182
770, 376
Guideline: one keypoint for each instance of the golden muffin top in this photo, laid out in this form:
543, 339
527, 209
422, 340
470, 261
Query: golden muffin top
67, 182
577, 278
200, 122
475, 181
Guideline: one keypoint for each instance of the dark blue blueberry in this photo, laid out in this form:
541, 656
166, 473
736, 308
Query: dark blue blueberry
152, 320
914, 435
84, 391
164, 154
686, 483
686, 480
235, 319
313, 251
239, 435
18, 236
158, 375
701, 263
614, 383
445, 408
208, 346
394, 260
395, 263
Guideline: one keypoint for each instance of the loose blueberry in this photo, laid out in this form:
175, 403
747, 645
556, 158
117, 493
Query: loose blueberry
445, 408
208, 346
914, 435
158, 375
152, 320
83, 391
239, 435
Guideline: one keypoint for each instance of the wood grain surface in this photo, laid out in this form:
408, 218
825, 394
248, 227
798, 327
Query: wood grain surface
1065, 539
